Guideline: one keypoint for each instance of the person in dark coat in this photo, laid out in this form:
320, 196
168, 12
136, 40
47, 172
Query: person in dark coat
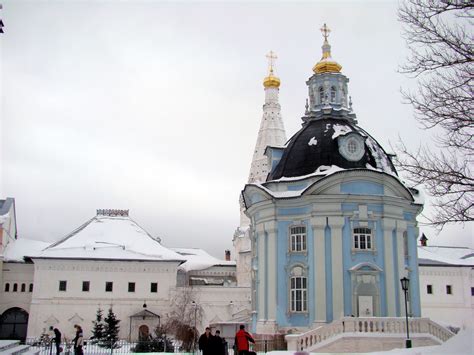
206, 342
57, 340
78, 340
218, 344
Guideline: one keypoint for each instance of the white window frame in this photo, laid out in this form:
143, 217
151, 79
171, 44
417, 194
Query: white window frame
298, 290
298, 239
321, 95
362, 239
333, 94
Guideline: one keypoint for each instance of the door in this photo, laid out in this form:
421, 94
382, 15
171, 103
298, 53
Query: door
366, 306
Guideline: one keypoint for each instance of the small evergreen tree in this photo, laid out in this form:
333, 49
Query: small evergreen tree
98, 329
111, 329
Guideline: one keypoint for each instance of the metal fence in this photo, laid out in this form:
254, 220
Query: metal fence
122, 347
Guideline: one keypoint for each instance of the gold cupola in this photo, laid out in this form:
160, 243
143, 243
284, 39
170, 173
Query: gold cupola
326, 64
271, 81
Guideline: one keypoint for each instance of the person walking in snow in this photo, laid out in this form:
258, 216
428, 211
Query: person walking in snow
78, 340
57, 340
242, 339
218, 347
206, 342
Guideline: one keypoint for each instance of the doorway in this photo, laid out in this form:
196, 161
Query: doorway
366, 306
14, 324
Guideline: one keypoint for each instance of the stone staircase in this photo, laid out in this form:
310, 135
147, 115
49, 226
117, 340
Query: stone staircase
13, 347
351, 335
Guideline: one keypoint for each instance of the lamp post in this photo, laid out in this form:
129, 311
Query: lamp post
195, 326
405, 284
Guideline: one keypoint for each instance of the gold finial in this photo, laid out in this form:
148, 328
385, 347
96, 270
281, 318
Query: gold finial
326, 64
271, 80
325, 31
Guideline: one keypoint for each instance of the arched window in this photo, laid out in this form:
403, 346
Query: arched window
298, 290
321, 94
333, 94
31, 288
15, 287
298, 238
23, 287
7, 287
362, 238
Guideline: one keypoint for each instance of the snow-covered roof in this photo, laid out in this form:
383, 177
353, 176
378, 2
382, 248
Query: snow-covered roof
115, 237
198, 259
445, 256
17, 249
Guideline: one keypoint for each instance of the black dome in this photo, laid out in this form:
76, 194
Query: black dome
317, 144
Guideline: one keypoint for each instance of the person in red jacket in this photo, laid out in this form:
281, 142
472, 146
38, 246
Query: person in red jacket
242, 339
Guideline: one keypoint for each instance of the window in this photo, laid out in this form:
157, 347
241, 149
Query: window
352, 146
298, 238
7, 287
321, 95
429, 289
362, 239
333, 94
30, 288
86, 286
109, 286
62, 285
405, 244
23, 287
298, 294
154, 287
131, 287
472, 291
15, 287
449, 289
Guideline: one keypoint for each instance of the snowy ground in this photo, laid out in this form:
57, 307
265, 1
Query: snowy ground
460, 344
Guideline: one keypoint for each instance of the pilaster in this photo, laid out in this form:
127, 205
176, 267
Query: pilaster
319, 224
401, 227
271, 267
336, 224
388, 226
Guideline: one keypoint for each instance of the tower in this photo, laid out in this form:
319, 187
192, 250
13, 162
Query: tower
271, 133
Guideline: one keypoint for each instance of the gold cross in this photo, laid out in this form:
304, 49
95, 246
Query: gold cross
271, 60
325, 30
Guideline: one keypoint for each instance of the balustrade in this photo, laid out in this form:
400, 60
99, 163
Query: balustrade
374, 325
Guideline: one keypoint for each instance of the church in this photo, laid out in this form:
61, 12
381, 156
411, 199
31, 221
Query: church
333, 228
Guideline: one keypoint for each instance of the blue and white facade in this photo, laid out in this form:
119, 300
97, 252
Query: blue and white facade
333, 229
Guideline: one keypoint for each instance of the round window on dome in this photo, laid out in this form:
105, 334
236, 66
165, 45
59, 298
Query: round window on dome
351, 146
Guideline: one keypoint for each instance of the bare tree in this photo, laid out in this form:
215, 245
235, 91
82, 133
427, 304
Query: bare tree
440, 40
185, 314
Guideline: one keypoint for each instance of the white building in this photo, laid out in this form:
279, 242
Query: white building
110, 261
447, 284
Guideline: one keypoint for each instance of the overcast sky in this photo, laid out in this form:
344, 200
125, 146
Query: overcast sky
155, 106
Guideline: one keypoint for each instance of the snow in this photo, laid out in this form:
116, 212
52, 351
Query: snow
340, 130
380, 157
198, 259
4, 217
110, 237
419, 197
322, 170
447, 255
313, 141
16, 249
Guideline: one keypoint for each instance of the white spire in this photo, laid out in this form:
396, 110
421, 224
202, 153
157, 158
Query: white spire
271, 132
